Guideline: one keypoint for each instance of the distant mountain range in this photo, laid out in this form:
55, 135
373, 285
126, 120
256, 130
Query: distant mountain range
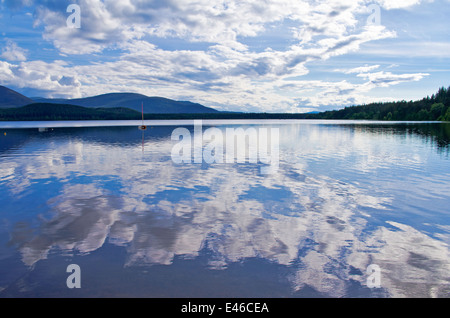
153, 105
10, 98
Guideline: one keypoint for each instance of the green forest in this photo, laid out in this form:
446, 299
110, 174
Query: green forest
432, 108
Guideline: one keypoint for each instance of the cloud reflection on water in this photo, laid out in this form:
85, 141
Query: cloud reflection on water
324, 229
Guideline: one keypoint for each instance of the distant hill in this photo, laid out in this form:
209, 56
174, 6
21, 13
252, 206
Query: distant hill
154, 105
10, 98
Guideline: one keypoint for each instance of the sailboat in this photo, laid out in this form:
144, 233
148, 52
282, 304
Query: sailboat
142, 127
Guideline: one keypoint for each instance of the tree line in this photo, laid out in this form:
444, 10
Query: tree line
434, 108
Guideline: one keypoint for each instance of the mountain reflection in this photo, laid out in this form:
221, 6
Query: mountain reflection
325, 226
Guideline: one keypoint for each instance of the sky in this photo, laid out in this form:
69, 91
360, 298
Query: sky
235, 55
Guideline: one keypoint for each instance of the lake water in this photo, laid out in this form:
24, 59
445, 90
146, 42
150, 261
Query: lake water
352, 209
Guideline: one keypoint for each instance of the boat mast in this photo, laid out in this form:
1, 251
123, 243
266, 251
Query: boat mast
142, 127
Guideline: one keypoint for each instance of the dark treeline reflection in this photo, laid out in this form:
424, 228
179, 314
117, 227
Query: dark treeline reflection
437, 134
127, 135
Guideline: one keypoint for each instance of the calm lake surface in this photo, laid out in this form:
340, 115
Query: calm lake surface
110, 198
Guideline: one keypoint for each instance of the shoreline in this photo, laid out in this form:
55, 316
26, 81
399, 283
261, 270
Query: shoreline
189, 122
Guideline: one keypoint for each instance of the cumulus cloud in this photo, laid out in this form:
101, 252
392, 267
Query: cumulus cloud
397, 4
108, 23
58, 79
216, 62
13, 53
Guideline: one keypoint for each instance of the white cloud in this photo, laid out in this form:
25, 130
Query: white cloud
99, 28
225, 70
174, 75
13, 53
397, 4
384, 79
361, 69
56, 78
110, 23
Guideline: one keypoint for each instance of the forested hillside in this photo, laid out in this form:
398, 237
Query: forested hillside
434, 107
